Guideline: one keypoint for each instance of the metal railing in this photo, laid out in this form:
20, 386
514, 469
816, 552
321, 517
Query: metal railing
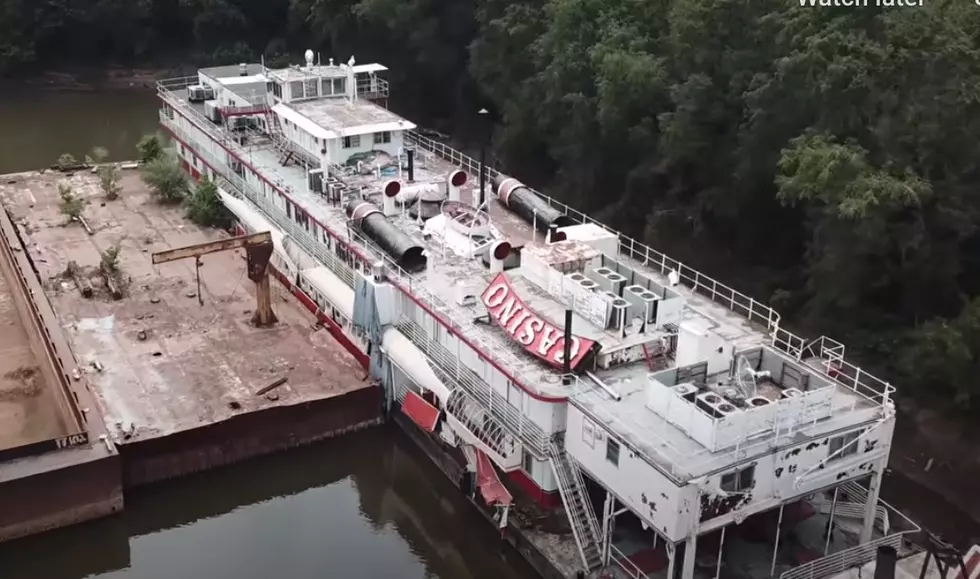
841, 561
755, 312
628, 567
448, 369
372, 88
578, 505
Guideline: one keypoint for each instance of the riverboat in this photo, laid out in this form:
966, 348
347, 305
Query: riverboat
678, 426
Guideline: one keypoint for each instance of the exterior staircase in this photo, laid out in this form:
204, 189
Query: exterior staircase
578, 506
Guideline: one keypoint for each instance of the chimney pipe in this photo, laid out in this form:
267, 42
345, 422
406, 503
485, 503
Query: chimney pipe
566, 369
410, 152
885, 564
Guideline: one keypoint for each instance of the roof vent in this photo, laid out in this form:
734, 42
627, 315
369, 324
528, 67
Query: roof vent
243, 69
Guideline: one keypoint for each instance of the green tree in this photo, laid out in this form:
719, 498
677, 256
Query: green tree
150, 147
71, 205
165, 178
204, 206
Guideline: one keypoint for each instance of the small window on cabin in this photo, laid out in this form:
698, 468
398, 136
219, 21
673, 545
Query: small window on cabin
296, 89
527, 462
383, 137
352, 142
339, 85
738, 481
843, 446
326, 87
612, 451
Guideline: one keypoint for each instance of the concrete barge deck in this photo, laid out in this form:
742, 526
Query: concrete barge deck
178, 381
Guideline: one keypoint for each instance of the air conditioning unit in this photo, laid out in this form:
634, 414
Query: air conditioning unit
212, 111
709, 402
726, 408
316, 181
688, 392
608, 279
576, 277
196, 94
588, 285
792, 393
757, 402
620, 312
644, 301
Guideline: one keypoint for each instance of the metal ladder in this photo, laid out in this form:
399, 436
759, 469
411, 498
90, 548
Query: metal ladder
578, 506
281, 143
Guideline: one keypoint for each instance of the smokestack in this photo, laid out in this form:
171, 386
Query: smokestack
566, 368
410, 153
885, 564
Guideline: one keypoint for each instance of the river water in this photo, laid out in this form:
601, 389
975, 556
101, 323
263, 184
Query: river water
364, 506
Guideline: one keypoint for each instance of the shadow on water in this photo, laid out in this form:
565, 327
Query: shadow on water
38, 126
362, 506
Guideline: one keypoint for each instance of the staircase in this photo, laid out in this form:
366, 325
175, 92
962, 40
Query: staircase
578, 506
282, 148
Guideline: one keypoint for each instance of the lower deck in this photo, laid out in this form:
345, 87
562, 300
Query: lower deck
174, 354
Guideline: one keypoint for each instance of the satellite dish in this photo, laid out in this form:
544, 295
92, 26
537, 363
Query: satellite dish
745, 378
309, 57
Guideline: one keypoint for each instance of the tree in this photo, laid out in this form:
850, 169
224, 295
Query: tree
150, 147
108, 172
204, 206
71, 205
166, 180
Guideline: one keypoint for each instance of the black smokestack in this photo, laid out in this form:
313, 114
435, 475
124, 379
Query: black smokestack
567, 354
885, 565
411, 164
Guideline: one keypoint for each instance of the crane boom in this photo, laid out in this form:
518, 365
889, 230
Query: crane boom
258, 250
199, 249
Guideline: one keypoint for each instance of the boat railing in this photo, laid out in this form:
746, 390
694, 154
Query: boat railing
862, 382
898, 529
628, 567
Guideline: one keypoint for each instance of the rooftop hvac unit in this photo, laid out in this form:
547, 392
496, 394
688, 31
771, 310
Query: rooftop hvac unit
791, 393
620, 313
588, 285
709, 402
608, 279
644, 302
757, 402
212, 111
686, 391
725, 408
576, 276
316, 181
196, 94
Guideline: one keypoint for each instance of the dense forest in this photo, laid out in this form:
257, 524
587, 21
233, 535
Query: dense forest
825, 158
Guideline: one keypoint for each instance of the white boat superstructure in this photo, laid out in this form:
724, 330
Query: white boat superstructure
580, 362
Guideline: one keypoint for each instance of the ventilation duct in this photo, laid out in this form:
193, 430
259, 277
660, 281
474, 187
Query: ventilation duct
524, 202
371, 221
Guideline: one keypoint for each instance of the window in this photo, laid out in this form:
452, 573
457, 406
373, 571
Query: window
339, 85
612, 451
843, 446
739, 480
352, 142
380, 138
527, 462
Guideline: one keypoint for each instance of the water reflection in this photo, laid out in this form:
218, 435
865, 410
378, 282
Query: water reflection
363, 506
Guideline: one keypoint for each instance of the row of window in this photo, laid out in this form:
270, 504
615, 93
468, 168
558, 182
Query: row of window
744, 478
354, 141
310, 88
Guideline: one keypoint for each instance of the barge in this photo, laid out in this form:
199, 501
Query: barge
541, 358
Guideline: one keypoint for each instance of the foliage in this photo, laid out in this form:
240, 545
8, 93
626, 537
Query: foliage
825, 158
109, 262
204, 206
67, 161
108, 172
166, 180
71, 205
150, 147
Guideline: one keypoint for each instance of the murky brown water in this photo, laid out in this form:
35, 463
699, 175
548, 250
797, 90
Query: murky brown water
363, 506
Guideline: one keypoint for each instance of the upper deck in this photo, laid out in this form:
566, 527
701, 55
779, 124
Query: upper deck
454, 268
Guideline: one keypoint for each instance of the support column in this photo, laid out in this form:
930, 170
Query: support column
871, 507
690, 551
607, 527
830, 523
671, 552
775, 547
